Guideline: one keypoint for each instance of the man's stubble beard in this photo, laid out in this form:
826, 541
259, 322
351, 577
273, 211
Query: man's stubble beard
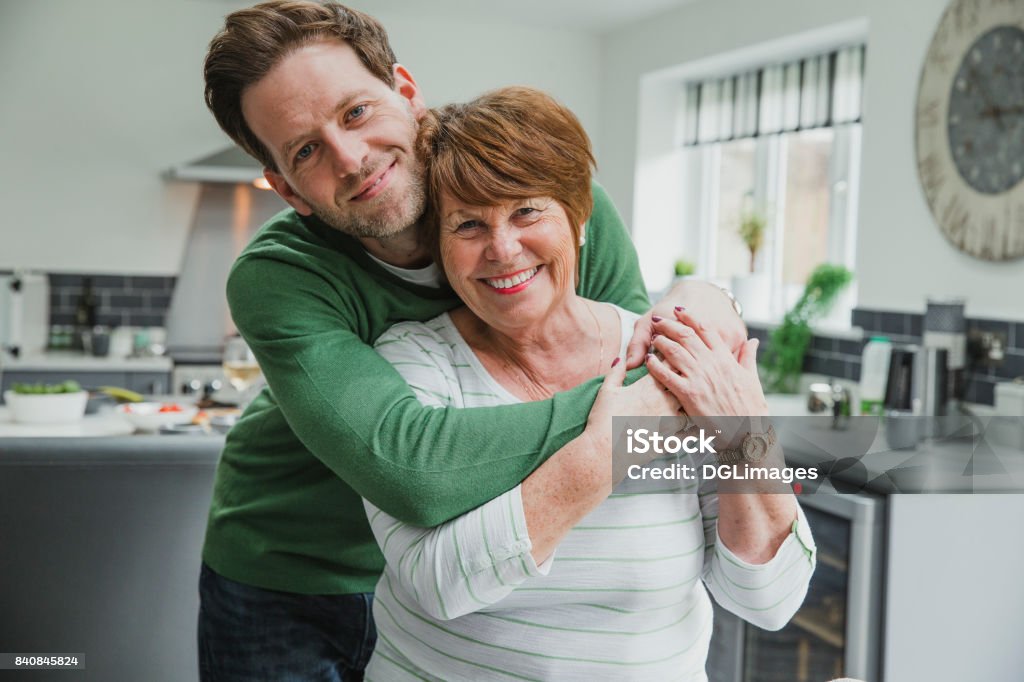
392, 218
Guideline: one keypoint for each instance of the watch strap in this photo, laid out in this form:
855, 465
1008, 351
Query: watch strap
738, 455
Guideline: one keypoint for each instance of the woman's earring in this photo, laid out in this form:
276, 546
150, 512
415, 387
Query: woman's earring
583, 239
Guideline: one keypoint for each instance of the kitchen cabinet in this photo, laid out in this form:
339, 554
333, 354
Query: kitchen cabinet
940, 578
837, 631
949, 591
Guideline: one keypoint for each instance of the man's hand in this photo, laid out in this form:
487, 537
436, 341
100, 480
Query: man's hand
703, 300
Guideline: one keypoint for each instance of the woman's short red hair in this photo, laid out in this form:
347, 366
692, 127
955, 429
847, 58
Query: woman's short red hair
512, 143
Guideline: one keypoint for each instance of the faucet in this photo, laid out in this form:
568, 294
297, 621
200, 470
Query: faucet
833, 398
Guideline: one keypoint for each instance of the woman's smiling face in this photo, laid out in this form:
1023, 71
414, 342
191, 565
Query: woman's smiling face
512, 263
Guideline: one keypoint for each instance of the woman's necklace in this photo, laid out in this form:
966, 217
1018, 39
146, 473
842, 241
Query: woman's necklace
532, 386
600, 339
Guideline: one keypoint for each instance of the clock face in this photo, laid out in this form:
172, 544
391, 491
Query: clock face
986, 112
970, 127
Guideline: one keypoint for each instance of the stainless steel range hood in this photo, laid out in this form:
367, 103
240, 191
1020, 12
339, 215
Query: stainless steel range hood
226, 218
229, 210
231, 165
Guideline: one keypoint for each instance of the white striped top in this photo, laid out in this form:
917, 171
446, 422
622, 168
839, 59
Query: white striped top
623, 597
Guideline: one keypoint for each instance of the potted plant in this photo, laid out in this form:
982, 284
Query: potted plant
752, 229
783, 358
753, 290
684, 268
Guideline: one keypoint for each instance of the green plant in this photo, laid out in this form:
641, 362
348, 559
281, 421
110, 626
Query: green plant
684, 268
46, 389
784, 357
752, 229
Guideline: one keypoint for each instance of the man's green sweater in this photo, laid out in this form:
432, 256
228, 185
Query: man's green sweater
337, 422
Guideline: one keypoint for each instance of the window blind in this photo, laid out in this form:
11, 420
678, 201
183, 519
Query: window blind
818, 91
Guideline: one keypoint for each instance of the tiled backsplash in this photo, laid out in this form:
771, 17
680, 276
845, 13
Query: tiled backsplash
143, 301
840, 357
123, 300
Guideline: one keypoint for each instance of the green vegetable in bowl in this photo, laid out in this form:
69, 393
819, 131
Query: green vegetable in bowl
46, 389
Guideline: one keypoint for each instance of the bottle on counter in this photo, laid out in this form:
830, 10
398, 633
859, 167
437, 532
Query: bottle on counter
85, 315
62, 337
874, 373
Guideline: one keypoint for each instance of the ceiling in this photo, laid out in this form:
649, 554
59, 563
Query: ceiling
596, 16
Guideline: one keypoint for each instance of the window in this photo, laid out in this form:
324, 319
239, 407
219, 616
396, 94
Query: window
783, 144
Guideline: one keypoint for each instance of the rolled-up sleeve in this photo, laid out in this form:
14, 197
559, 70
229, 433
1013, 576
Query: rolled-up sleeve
767, 594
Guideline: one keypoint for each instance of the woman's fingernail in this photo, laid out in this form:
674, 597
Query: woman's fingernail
655, 318
615, 361
654, 336
650, 356
680, 308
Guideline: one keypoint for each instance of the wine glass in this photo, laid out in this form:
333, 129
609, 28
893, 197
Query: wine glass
240, 367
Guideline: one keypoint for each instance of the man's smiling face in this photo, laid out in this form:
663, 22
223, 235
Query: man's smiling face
343, 140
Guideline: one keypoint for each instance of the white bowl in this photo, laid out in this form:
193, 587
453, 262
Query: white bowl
148, 417
46, 408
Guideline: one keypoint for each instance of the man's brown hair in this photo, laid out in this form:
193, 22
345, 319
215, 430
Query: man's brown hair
512, 143
254, 40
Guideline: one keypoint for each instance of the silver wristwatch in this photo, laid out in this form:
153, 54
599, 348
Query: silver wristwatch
752, 449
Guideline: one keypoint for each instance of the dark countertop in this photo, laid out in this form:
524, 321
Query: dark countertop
970, 456
141, 450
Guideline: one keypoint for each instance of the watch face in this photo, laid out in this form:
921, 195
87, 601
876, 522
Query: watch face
755, 447
986, 112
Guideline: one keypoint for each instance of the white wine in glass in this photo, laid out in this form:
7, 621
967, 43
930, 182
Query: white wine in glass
240, 366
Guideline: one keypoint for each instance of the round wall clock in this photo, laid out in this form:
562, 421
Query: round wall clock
970, 127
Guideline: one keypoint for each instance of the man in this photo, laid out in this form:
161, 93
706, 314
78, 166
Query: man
314, 92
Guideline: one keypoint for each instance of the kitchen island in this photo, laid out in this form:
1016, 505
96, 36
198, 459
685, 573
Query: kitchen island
101, 543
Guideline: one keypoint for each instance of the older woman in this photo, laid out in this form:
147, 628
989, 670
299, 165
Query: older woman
486, 596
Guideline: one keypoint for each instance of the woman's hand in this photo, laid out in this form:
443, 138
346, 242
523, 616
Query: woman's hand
697, 365
643, 398
701, 298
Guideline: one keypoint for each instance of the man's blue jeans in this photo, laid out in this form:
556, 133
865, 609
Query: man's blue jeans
247, 633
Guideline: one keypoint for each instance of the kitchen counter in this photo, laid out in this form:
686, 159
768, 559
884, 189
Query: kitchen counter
108, 424
973, 458
141, 450
68, 361
954, 465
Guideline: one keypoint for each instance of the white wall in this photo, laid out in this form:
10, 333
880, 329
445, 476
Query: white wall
901, 254
953, 589
455, 60
97, 98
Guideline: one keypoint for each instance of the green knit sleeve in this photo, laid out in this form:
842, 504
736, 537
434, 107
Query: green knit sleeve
352, 410
609, 267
